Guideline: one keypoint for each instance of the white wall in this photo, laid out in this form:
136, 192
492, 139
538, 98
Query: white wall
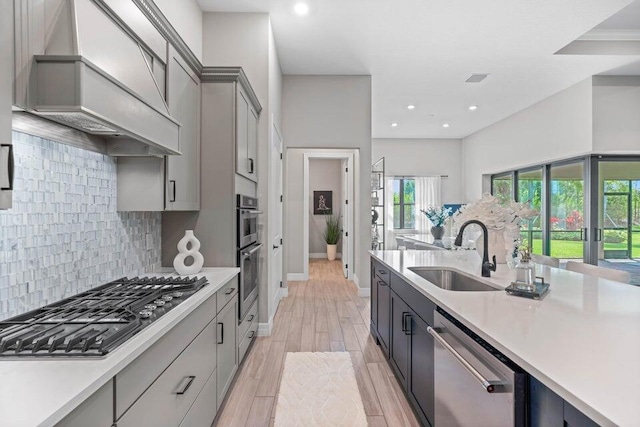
246, 40
327, 112
556, 128
324, 175
424, 157
186, 17
616, 114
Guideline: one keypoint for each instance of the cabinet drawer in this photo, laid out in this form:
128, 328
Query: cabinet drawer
139, 374
227, 293
422, 305
203, 410
249, 336
169, 398
381, 271
251, 316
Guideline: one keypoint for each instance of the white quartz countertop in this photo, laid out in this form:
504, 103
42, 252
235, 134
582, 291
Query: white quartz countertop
582, 340
42, 392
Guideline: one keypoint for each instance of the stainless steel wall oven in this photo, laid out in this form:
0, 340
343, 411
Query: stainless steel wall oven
248, 251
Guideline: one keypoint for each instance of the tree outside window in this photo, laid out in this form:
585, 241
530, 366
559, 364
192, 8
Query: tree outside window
404, 200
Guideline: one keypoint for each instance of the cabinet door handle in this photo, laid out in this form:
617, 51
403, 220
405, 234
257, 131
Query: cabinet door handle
382, 272
230, 291
381, 283
220, 333
186, 386
10, 166
250, 165
173, 193
487, 385
253, 333
405, 328
250, 318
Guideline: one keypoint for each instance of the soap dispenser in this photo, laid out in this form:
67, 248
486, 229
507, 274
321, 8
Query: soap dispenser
526, 269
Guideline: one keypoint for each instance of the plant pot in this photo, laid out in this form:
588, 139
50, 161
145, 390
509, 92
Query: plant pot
437, 232
331, 252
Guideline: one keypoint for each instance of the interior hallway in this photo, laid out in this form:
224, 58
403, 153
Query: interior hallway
322, 314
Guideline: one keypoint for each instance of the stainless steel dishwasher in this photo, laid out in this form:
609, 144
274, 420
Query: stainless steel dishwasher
475, 385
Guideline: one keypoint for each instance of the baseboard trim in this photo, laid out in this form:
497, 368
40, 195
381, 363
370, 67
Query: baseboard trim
364, 292
264, 329
322, 255
284, 292
356, 280
297, 277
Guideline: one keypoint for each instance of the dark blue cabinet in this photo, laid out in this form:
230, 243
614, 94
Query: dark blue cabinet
399, 348
547, 409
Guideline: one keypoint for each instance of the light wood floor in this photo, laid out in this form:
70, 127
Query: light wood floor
322, 314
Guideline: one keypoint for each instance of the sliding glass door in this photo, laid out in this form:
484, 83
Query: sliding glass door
567, 230
530, 190
617, 235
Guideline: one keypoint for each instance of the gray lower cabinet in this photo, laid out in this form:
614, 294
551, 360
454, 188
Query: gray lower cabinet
173, 393
374, 297
227, 347
204, 409
96, 411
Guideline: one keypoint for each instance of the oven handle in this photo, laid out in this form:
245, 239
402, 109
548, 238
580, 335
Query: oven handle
251, 211
486, 384
251, 252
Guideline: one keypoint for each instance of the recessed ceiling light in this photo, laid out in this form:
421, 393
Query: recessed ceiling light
301, 9
473, 107
445, 125
394, 125
411, 106
477, 78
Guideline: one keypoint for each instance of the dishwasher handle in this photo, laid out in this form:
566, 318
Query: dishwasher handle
486, 384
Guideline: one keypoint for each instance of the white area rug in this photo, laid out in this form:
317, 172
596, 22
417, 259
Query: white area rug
319, 389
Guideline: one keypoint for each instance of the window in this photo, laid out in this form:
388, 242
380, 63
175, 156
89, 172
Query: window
502, 188
404, 201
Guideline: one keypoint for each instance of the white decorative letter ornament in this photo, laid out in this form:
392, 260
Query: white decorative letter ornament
184, 253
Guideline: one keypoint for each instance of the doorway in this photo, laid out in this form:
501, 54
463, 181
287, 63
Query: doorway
341, 205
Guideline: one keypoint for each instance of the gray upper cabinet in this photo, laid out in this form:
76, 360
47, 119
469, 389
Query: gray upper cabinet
183, 172
246, 137
170, 183
6, 99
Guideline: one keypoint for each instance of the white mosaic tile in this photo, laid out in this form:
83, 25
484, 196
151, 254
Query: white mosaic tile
63, 235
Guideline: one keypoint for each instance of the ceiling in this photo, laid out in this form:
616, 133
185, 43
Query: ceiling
421, 52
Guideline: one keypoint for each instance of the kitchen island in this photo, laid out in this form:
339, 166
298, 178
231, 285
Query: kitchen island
581, 340
42, 392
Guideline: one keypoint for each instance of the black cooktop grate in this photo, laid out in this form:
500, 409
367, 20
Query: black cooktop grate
93, 323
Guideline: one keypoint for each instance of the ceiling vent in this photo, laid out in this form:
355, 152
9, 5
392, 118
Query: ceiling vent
476, 78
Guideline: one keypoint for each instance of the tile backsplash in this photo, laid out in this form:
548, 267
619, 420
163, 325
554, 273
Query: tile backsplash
63, 235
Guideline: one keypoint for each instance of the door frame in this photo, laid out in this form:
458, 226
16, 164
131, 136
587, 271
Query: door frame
340, 154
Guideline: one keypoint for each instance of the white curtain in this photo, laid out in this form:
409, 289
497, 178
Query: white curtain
428, 189
389, 236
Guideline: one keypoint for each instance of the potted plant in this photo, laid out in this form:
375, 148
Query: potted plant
331, 235
437, 215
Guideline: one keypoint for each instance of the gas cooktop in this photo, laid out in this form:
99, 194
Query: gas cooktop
95, 322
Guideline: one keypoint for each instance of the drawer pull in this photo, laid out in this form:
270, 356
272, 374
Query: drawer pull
250, 318
184, 389
252, 334
220, 333
382, 272
230, 291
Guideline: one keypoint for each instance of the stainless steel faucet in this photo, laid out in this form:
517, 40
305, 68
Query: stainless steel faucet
487, 267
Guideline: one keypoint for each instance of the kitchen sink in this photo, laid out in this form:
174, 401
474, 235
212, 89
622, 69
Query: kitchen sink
451, 280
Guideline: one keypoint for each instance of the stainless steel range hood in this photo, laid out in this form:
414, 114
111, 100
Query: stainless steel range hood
96, 77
